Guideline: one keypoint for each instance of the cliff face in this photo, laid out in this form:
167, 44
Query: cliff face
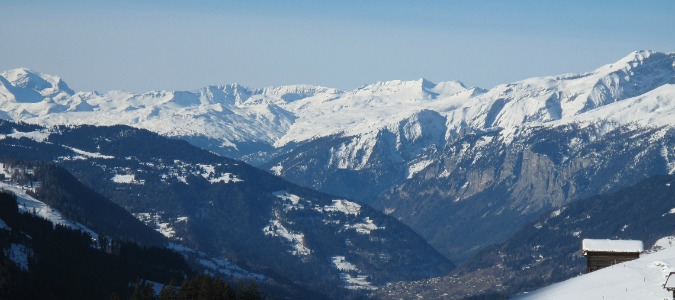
479, 190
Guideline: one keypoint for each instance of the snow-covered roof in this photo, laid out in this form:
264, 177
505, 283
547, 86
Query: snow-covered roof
670, 282
612, 245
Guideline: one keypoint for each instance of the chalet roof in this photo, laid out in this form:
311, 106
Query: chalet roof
670, 282
612, 245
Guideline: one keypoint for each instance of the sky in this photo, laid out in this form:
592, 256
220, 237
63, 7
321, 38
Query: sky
147, 45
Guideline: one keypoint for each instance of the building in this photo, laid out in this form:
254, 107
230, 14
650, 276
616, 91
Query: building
670, 283
604, 253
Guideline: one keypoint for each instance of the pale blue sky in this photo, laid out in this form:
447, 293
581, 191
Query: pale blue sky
182, 45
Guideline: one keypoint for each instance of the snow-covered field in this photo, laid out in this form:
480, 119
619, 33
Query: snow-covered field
351, 275
638, 279
364, 228
344, 206
296, 239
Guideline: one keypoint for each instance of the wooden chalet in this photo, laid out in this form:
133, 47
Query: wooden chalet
604, 253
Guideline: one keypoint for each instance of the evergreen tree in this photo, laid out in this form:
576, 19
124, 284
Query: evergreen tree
248, 291
169, 292
143, 291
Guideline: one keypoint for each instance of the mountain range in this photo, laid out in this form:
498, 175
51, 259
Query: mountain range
232, 119
464, 167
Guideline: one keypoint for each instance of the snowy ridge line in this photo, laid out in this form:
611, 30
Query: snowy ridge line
637, 88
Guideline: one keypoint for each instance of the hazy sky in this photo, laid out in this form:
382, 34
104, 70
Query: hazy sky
182, 45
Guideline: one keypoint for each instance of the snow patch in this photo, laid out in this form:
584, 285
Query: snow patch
344, 206
358, 282
364, 228
3, 225
226, 178
208, 170
296, 239
350, 275
227, 268
155, 220
291, 202
418, 167
19, 254
342, 264
39, 136
276, 170
216, 265
209, 173
556, 212
84, 154
127, 179
166, 230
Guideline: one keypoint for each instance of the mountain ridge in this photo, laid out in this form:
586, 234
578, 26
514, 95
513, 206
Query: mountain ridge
273, 117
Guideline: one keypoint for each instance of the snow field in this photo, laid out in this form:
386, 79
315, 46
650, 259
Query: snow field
296, 239
343, 206
638, 279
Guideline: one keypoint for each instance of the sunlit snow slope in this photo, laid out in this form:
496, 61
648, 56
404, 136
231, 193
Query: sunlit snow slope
639, 279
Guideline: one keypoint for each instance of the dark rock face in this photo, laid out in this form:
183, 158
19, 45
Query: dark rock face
481, 189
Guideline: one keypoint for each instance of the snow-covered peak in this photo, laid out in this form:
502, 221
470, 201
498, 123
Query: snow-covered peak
632, 59
369, 109
449, 88
410, 90
290, 93
644, 63
45, 85
230, 94
235, 115
544, 99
